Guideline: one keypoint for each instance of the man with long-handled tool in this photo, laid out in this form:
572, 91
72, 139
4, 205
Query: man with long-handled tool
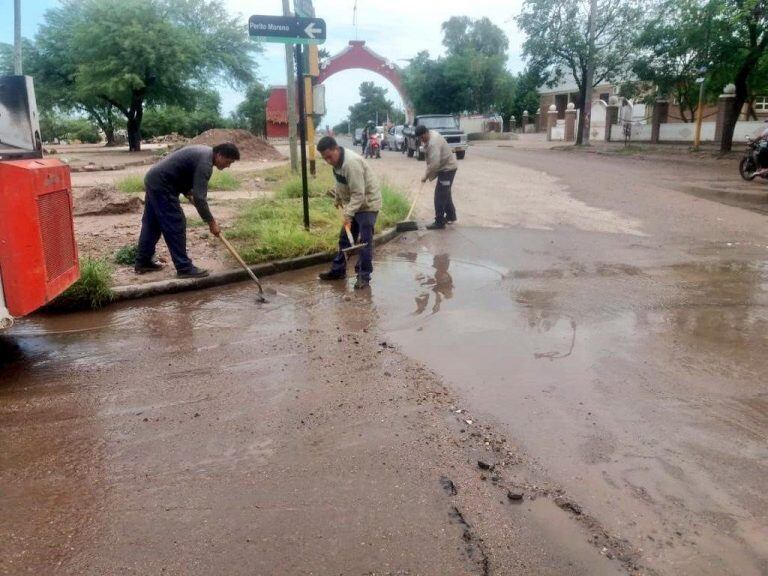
187, 172
441, 164
357, 195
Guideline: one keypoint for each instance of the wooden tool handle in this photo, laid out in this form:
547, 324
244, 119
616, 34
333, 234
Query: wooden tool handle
239, 259
415, 199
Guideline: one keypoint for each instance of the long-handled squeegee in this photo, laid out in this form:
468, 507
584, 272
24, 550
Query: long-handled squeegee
245, 266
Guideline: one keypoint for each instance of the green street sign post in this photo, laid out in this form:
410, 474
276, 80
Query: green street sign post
287, 29
297, 31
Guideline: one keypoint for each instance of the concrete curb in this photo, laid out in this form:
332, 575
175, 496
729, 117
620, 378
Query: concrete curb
174, 286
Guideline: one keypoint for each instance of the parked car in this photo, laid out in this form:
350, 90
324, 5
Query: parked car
358, 137
393, 140
446, 125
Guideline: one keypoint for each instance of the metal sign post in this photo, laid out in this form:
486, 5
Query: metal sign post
302, 133
298, 31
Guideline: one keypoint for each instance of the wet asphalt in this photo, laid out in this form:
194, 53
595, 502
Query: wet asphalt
619, 346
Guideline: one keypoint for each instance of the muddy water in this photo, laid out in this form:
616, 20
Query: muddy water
639, 388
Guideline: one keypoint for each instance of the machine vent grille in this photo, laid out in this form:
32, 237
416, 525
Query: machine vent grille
56, 228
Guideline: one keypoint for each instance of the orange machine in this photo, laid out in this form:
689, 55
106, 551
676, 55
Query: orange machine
38, 253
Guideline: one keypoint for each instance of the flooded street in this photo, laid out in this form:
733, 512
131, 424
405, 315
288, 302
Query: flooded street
597, 334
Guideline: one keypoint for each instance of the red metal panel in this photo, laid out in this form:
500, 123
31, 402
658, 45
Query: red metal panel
38, 252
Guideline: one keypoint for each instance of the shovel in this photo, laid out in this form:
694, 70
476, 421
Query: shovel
245, 266
408, 224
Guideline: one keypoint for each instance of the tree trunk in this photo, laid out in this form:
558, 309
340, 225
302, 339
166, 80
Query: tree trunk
742, 93
135, 115
582, 108
134, 135
109, 133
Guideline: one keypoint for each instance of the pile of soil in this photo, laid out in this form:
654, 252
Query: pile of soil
172, 138
251, 147
106, 199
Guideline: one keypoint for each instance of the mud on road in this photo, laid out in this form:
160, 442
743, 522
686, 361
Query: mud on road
569, 381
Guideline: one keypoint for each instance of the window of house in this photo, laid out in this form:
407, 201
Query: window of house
761, 104
605, 96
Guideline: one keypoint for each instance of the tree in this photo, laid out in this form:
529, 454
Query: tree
125, 54
471, 77
672, 47
251, 114
558, 40
740, 48
373, 107
200, 114
342, 128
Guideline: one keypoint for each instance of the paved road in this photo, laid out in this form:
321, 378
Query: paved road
588, 328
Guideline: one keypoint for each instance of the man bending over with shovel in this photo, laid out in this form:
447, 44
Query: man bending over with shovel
357, 194
187, 172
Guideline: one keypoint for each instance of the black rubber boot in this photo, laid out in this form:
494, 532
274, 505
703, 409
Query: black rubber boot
330, 275
146, 268
193, 273
436, 226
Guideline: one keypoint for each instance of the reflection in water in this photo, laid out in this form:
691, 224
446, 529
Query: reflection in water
441, 284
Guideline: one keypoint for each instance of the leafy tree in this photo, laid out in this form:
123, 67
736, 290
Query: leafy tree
471, 77
342, 128
526, 94
201, 114
673, 46
55, 127
251, 114
558, 40
740, 50
121, 55
374, 104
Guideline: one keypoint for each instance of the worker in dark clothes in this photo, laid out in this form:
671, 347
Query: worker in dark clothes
187, 172
357, 194
441, 165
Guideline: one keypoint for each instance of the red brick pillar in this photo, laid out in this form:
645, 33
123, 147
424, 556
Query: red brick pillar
724, 110
570, 123
660, 116
551, 121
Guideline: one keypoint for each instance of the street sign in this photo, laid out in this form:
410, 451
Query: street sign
304, 8
287, 29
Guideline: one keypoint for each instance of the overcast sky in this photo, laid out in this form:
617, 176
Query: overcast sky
396, 29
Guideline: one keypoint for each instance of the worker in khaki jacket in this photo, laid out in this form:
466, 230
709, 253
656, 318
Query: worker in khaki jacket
357, 194
441, 164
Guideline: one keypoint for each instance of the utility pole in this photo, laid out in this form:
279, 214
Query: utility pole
291, 92
699, 109
17, 37
586, 118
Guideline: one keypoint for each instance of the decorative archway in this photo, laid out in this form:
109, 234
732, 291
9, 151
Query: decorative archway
357, 55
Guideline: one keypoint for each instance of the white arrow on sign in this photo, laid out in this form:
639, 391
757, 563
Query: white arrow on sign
310, 30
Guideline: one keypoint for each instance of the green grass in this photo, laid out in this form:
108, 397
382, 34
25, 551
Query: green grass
126, 256
221, 180
133, 184
195, 222
273, 229
92, 290
291, 187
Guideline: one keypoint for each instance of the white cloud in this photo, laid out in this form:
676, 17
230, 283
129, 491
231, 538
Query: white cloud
396, 29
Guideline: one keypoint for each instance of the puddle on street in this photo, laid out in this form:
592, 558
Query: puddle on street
642, 387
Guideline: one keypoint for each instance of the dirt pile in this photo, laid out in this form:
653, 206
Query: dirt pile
172, 138
251, 147
105, 199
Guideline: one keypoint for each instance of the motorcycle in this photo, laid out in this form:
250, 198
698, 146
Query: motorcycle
374, 148
755, 161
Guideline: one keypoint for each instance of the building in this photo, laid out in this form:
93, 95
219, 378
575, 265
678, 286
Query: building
277, 112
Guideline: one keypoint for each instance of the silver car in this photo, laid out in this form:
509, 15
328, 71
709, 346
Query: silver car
394, 139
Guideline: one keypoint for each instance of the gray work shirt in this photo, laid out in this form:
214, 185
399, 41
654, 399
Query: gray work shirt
187, 172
